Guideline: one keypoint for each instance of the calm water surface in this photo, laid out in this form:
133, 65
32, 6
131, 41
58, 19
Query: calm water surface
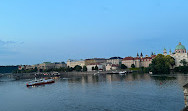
134, 92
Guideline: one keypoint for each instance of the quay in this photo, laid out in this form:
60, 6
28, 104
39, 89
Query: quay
18, 76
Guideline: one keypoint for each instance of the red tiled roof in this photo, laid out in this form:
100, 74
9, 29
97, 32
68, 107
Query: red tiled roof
153, 56
137, 58
147, 58
115, 65
128, 58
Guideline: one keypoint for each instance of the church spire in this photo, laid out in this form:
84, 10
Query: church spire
141, 55
164, 52
137, 54
170, 52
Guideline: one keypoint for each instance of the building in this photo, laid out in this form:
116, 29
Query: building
115, 60
138, 61
43, 66
179, 54
73, 63
101, 67
60, 64
128, 61
22, 67
95, 61
46, 65
110, 67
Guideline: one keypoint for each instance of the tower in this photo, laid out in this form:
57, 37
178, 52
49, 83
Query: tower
170, 52
164, 52
137, 55
141, 55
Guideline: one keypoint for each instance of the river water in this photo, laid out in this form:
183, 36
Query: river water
133, 92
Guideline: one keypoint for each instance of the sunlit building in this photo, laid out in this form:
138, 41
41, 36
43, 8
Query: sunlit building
138, 61
73, 63
179, 54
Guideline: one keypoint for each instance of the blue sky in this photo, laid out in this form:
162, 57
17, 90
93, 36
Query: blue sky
34, 31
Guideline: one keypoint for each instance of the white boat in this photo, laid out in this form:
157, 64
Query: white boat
151, 73
122, 72
55, 73
40, 82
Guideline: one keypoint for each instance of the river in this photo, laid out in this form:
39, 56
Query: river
133, 92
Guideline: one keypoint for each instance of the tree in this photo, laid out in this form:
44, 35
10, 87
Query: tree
77, 68
133, 66
96, 68
123, 66
69, 69
169, 60
84, 68
184, 62
161, 64
142, 69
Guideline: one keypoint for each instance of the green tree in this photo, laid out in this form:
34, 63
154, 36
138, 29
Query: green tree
96, 68
77, 68
161, 64
69, 69
169, 60
183, 62
133, 66
84, 68
123, 66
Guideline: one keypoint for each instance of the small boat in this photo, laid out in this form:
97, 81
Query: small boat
122, 72
40, 82
55, 73
150, 73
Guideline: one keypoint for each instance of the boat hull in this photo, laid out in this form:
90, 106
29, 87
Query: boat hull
41, 83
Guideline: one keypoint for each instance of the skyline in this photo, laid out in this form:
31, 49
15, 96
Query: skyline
33, 32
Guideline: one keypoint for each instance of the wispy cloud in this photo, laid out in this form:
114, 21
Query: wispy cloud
2, 43
8, 47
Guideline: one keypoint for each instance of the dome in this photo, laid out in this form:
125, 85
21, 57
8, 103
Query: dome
178, 47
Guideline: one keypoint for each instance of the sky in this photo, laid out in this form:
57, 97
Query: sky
36, 31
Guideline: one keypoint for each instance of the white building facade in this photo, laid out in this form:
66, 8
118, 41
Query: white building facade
73, 63
179, 54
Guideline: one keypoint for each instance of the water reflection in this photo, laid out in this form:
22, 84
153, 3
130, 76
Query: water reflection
133, 92
129, 77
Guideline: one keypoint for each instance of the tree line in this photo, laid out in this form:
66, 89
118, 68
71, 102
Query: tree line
8, 69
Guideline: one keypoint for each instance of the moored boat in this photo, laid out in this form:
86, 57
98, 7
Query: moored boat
122, 72
40, 82
150, 73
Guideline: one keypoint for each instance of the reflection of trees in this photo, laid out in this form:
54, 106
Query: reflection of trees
163, 78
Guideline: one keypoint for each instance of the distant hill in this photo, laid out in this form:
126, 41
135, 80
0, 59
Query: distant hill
8, 69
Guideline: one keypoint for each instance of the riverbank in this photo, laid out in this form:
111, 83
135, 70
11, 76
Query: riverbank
33, 75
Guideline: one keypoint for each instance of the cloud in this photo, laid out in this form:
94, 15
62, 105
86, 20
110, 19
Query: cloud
8, 47
6, 42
